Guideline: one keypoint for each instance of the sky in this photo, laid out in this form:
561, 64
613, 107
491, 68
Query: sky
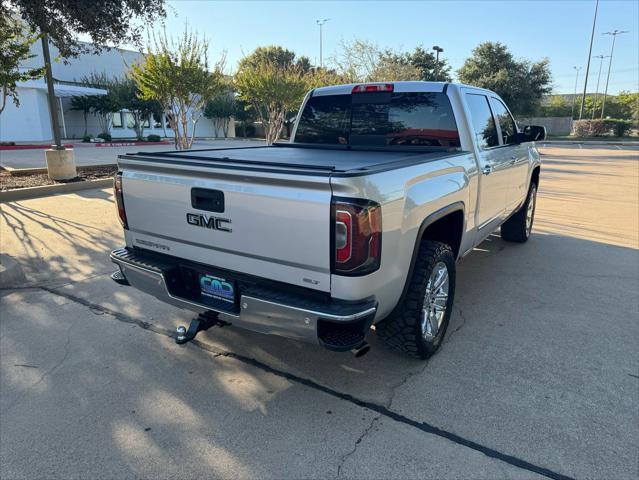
558, 30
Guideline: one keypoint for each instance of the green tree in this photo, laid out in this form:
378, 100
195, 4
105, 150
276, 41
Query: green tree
356, 61
102, 106
15, 42
220, 110
244, 114
520, 83
273, 82
429, 69
629, 103
557, 106
126, 96
176, 74
107, 22
392, 66
364, 61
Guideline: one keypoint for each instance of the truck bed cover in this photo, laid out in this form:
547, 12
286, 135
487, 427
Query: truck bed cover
298, 158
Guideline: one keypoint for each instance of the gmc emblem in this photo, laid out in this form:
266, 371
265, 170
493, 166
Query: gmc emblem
214, 223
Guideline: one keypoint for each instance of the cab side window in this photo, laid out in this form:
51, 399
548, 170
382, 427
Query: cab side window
483, 123
506, 122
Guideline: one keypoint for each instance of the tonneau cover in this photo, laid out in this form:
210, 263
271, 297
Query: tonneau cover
295, 157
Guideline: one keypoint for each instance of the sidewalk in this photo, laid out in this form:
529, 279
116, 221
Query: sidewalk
626, 143
84, 156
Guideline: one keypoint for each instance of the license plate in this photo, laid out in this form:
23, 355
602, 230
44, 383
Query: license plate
217, 287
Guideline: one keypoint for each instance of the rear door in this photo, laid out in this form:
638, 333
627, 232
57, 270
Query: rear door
514, 154
270, 225
494, 168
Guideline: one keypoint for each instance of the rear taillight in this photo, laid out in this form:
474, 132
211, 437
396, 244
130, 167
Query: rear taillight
373, 87
357, 236
119, 198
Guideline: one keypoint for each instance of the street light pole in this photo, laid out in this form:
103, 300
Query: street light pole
53, 113
437, 50
321, 24
594, 105
574, 95
614, 34
592, 36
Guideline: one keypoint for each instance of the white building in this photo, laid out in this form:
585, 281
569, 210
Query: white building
30, 121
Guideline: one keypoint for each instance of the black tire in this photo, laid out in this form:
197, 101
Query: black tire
402, 329
515, 229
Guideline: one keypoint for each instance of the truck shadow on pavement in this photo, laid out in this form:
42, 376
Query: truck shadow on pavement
524, 350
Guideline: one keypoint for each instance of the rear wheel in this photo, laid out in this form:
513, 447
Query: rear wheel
418, 324
518, 227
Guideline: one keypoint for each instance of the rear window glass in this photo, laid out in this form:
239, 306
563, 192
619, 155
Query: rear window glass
379, 120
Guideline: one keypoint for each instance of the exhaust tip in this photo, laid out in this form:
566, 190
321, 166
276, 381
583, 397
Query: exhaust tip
361, 350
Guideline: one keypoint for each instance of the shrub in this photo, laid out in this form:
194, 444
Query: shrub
153, 138
7, 144
590, 128
86, 138
621, 127
105, 136
601, 127
250, 130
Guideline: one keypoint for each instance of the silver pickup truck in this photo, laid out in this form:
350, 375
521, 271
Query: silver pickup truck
356, 222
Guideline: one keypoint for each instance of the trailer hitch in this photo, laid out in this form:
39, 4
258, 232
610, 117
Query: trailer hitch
201, 323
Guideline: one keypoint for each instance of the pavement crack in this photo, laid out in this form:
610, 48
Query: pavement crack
348, 454
47, 373
382, 410
459, 327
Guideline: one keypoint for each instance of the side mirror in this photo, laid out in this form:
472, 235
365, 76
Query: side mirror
533, 133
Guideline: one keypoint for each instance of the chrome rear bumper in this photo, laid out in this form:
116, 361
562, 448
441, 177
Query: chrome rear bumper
269, 312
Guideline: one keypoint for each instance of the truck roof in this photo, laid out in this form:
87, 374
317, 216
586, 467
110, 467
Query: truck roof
399, 86
403, 86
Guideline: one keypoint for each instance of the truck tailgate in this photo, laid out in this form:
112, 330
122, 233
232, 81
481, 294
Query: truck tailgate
274, 225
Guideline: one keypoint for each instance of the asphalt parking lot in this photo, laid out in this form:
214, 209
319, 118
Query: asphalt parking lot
538, 376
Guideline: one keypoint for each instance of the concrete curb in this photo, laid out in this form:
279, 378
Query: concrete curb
31, 171
46, 190
11, 274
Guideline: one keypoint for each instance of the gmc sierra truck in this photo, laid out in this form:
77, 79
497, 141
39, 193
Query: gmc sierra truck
357, 221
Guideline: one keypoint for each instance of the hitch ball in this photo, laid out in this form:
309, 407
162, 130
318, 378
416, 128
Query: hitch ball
181, 332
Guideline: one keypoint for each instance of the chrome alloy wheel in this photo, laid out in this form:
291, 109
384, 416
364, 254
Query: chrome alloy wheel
435, 301
530, 211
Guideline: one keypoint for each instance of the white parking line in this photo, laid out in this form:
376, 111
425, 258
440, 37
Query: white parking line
617, 147
580, 146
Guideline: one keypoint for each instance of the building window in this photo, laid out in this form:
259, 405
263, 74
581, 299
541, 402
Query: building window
130, 121
157, 121
117, 120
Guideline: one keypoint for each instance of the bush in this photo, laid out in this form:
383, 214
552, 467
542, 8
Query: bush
105, 136
589, 128
250, 130
7, 144
621, 127
153, 138
601, 127
87, 138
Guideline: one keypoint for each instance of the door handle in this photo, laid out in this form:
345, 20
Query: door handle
487, 169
